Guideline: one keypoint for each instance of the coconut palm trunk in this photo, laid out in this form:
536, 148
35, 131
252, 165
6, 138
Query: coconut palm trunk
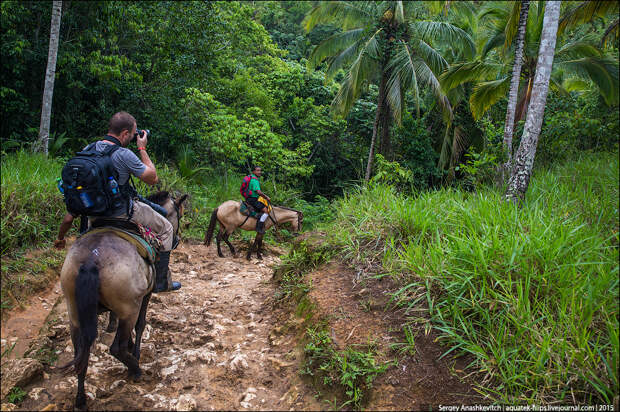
380, 106
48, 91
514, 85
524, 159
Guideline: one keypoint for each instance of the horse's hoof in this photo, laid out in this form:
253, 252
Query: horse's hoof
136, 375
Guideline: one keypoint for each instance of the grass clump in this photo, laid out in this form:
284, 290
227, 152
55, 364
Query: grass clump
289, 273
532, 293
351, 370
32, 206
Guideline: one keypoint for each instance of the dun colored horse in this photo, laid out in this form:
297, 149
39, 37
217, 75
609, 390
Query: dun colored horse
104, 272
230, 219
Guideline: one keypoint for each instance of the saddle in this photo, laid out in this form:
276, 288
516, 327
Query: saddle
246, 209
142, 237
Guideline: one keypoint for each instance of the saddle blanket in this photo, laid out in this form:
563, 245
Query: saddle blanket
145, 249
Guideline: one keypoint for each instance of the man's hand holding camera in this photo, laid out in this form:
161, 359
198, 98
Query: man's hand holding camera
142, 137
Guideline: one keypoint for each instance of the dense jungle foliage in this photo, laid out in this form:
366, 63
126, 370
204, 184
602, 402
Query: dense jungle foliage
293, 87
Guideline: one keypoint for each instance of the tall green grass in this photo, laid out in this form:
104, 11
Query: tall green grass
32, 206
531, 293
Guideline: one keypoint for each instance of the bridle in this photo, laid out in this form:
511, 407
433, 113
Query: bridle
175, 239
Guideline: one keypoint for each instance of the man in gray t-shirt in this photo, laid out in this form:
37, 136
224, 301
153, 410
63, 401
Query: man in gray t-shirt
125, 162
122, 129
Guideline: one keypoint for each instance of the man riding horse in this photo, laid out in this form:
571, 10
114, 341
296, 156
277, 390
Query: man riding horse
253, 194
121, 131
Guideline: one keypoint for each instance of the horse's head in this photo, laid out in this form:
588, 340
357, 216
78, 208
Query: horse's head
285, 214
174, 207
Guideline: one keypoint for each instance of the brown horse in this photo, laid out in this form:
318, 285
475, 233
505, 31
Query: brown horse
104, 272
230, 219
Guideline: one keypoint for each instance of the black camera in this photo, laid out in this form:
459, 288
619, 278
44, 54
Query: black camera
140, 132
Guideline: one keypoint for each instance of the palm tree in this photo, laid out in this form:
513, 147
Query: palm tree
524, 160
514, 81
383, 43
48, 91
576, 59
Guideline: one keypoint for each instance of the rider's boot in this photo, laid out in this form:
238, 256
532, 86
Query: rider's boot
163, 283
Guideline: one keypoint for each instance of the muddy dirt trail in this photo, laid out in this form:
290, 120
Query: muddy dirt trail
208, 346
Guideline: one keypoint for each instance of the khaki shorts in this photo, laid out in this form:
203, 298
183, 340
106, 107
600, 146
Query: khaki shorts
146, 216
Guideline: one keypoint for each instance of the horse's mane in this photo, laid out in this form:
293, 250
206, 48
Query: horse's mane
287, 208
159, 197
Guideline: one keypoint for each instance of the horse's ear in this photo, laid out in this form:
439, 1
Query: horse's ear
180, 201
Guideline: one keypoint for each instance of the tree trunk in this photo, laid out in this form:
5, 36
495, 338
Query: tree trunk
524, 159
380, 103
514, 85
386, 143
48, 91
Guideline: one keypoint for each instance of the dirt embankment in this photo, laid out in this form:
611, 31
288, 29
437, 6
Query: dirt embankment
221, 343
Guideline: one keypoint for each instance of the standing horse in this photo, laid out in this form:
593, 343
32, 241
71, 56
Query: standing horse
104, 272
230, 219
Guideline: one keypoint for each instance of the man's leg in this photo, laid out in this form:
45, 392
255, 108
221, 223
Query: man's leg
145, 215
260, 208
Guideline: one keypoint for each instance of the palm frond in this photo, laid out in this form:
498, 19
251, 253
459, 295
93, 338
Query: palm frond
474, 71
358, 76
402, 77
436, 31
486, 94
512, 25
493, 11
556, 84
583, 47
344, 14
334, 45
575, 84
493, 42
460, 142
433, 59
611, 30
444, 155
584, 12
602, 71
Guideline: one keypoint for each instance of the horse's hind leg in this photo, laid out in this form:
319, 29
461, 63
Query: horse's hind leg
120, 348
80, 397
112, 322
140, 325
230, 246
217, 241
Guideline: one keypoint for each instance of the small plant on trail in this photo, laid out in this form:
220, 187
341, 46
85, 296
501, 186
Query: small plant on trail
408, 346
353, 371
16, 395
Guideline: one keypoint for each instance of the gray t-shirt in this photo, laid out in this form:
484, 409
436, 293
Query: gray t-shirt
125, 162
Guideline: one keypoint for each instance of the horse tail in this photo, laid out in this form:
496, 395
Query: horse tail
212, 223
87, 302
